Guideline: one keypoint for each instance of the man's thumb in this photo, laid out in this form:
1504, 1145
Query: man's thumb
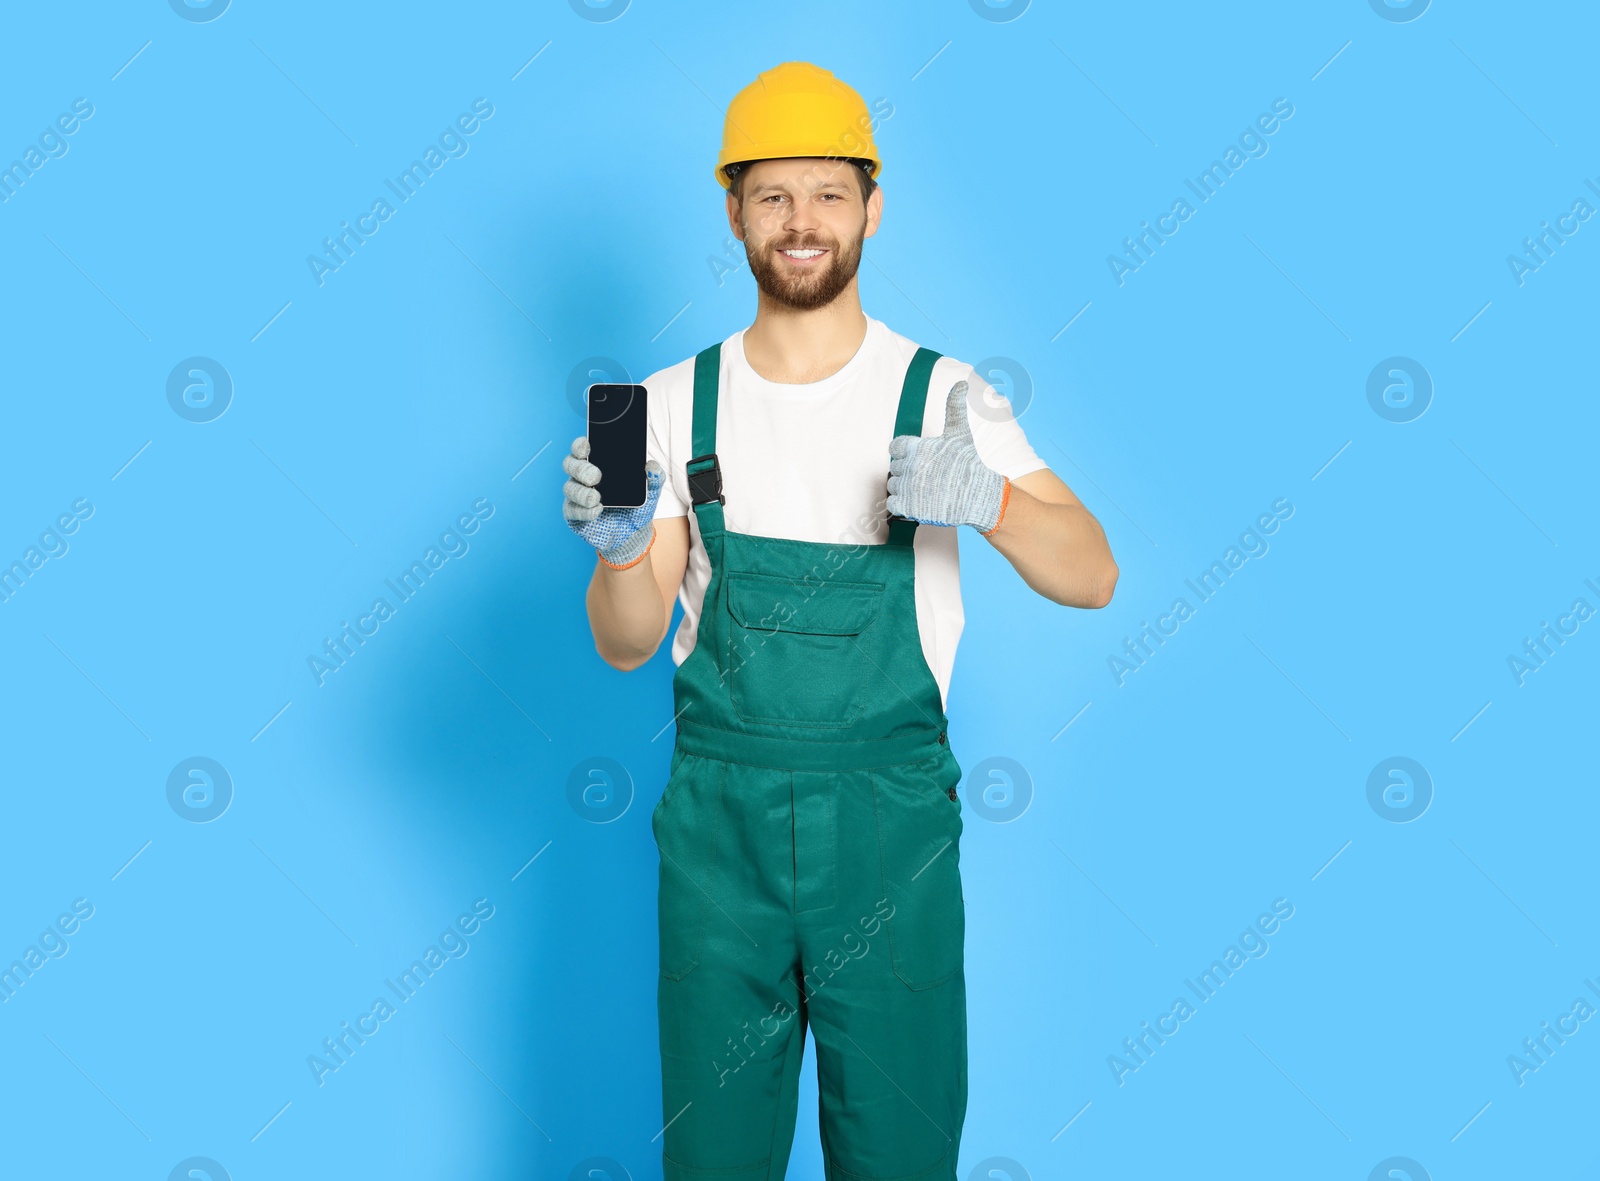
955, 411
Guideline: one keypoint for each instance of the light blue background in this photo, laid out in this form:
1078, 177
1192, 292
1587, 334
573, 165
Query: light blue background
433, 369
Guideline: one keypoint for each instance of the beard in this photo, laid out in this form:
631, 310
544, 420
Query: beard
805, 288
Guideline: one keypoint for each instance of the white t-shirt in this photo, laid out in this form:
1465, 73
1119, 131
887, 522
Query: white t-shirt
807, 461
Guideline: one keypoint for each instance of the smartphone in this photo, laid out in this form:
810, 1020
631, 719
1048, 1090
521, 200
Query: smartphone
617, 421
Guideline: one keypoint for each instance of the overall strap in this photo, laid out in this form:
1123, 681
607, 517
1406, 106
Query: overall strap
908, 421
705, 476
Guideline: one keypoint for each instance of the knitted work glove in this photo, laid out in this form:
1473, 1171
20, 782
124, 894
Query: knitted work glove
621, 536
939, 479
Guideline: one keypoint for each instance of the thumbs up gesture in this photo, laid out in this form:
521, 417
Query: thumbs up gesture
939, 479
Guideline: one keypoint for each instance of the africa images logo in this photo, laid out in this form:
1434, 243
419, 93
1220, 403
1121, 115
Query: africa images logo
200, 12
454, 142
198, 1168
1252, 145
1399, 789
199, 389
199, 789
1399, 12
1399, 389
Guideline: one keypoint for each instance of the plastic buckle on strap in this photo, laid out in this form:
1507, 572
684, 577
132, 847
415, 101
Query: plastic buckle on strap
705, 480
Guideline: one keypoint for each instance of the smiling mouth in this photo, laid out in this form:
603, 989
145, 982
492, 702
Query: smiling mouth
803, 256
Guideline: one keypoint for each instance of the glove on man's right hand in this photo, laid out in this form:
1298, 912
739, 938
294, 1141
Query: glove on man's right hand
621, 536
941, 480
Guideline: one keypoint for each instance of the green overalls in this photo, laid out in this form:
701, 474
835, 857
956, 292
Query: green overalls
809, 836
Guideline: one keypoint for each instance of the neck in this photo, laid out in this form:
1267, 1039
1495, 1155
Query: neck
795, 347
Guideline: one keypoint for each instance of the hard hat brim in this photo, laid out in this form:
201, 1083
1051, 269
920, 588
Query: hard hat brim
792, 152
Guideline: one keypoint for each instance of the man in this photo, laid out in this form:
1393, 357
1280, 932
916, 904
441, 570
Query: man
809, 830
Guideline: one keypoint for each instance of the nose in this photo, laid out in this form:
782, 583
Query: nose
802, 218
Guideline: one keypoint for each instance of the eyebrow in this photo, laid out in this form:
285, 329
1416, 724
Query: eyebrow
770, 187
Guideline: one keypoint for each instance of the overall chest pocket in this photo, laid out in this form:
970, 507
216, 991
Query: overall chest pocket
795, 654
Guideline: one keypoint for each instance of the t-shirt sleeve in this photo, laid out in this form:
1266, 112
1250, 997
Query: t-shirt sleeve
658, 446
999, 437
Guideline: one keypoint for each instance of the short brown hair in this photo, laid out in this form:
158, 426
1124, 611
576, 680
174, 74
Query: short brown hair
735, 174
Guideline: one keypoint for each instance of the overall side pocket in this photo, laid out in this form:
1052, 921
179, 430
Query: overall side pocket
919, 841
686, 823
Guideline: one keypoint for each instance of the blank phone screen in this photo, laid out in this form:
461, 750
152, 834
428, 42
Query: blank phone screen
617, 420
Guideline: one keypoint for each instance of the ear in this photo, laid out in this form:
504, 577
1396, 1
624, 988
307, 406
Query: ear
874, 213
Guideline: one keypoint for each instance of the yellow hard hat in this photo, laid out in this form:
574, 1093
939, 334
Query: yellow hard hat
797, 109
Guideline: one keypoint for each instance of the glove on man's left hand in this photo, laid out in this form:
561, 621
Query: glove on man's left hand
939, 479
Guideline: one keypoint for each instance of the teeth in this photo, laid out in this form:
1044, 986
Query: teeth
802, 253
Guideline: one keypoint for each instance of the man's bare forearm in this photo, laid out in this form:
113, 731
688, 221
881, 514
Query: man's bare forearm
626, 613
1059, 549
